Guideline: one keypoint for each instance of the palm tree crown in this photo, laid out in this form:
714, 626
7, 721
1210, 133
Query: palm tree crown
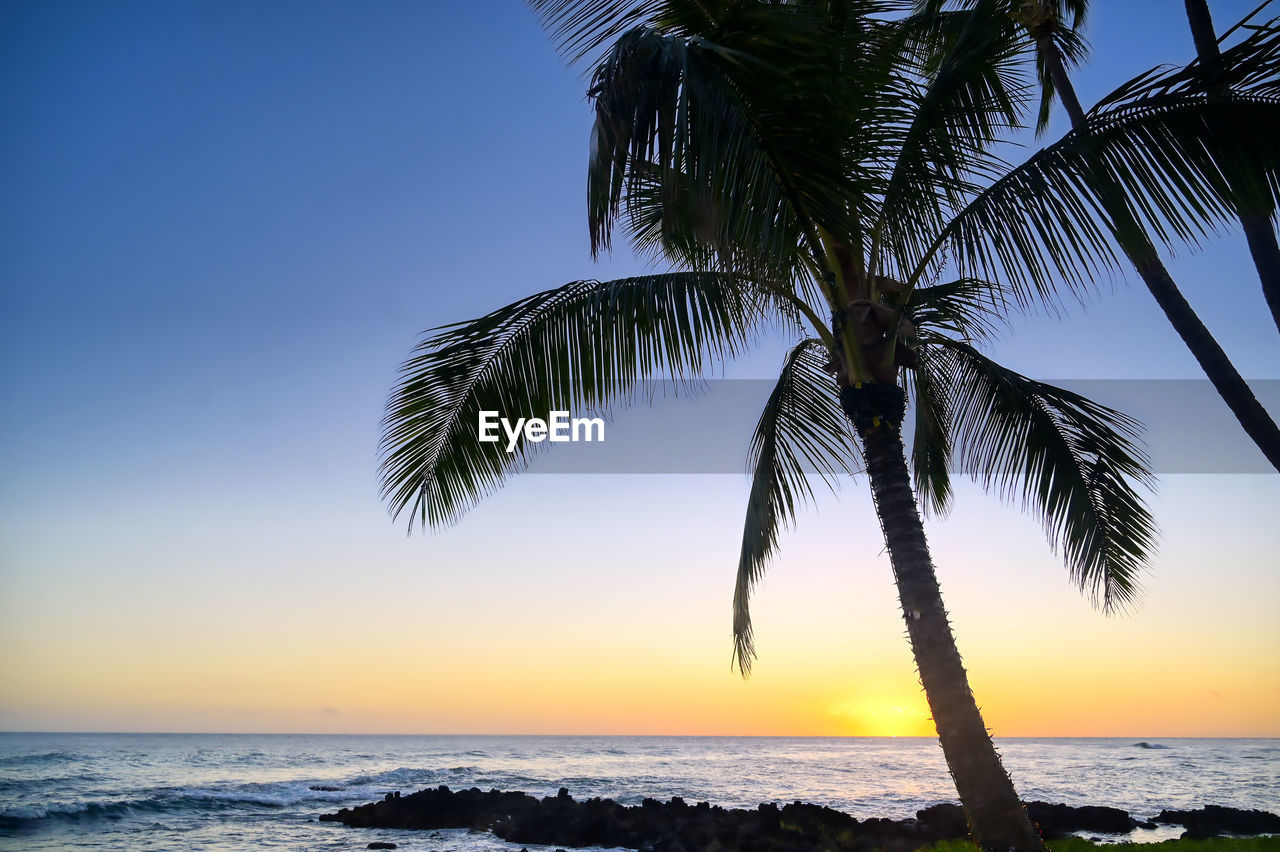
814, 166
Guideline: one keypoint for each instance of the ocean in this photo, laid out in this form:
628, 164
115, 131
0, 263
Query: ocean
236, 792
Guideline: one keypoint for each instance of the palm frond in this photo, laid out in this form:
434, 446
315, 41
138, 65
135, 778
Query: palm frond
1158, 145
1164, 143
732, 172
1243, 150
1075, 463
1044, 222
580, 347
1061, 20
582, 27
1251, 65
970, 93
931, 445
802, 431
973, 308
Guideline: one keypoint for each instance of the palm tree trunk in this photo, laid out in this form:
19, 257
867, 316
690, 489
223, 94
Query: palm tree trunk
997, 819
1259, 228
1260, 233
1137, 246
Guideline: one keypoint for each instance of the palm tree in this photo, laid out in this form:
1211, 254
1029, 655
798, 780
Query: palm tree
1258, 219
811, 166
1052, 26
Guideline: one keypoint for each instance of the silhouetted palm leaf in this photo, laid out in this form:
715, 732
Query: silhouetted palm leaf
673, 128
579, 347
582, 27
1043, 221
970, 308
931, 443
802, 432
967, 95
1073, 462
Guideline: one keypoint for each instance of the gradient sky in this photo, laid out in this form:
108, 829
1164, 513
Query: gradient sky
223, 226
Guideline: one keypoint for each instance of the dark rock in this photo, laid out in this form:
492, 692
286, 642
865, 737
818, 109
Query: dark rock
947, 820
676, 826
944, 820
438, 808
770, 818
656, 826
380, 844
324, 788
1061, 820
1213, 821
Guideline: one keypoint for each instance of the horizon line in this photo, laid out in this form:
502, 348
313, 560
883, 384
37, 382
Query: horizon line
1140, 737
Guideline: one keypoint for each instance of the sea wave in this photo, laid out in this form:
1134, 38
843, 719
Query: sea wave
248, 797
219, 757
408, 777
19, 785
399, 778
39, 758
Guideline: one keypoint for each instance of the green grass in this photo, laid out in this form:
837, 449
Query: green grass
1075, 844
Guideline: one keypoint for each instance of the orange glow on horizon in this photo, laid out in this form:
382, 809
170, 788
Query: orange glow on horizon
642, 648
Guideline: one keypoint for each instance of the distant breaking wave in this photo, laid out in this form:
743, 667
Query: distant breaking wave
163, 803
405, 777
258, 796
38, 759
9, 785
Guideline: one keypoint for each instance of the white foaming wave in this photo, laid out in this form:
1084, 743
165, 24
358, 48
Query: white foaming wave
277, 796
23, 812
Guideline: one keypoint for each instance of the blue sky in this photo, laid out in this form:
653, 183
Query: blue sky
224, 226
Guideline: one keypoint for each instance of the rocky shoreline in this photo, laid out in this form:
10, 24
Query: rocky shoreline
677, 826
